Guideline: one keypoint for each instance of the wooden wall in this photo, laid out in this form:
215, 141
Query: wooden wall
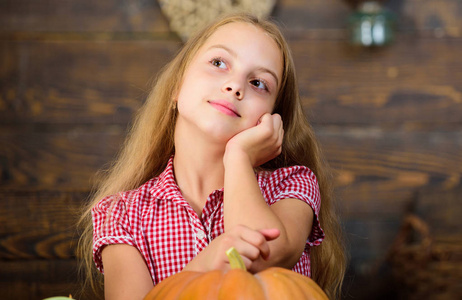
72, 73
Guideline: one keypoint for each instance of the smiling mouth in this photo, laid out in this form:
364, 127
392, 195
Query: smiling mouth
225, 108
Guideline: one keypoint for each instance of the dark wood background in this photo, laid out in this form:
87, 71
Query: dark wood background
73, 72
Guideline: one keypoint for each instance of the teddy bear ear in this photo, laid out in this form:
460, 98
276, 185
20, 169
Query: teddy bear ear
187, 16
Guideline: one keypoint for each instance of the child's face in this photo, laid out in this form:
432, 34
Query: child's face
231, 82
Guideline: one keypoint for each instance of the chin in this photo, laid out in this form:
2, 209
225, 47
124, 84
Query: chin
220, 134
220, 137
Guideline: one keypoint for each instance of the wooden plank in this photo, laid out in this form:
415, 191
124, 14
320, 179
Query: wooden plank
66, 159
414, 82
145, 16
411, 83
81, 16
379, 171
441, 17
438, 17
40, 279
39, 224
77, 82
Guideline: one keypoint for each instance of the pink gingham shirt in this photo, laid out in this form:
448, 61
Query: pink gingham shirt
159, 222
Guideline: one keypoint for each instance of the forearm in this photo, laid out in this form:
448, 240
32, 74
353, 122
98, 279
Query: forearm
244, 205
243, 202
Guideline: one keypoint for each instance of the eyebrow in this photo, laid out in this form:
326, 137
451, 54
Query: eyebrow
234, 54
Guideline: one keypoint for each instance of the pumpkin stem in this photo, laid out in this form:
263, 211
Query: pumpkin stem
235, 259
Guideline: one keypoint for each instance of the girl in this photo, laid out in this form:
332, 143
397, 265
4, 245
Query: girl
220, 155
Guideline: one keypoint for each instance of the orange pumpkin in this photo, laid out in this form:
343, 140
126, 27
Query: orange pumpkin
272, 283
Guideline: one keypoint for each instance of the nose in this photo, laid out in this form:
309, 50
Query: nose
234, 88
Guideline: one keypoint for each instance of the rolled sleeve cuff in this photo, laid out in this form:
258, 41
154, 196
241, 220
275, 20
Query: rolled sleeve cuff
100, 243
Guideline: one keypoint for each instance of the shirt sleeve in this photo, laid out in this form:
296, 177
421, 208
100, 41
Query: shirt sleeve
297, 182
110, 226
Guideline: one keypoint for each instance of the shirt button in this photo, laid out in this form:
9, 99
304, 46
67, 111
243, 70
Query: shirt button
200, 234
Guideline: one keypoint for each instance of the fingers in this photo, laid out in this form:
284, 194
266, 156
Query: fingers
265, 118
270, 234
275, 129
278, 132
259, 243
253, 244
273, 119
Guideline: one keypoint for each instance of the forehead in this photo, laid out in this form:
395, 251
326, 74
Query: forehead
248, 42
241, 32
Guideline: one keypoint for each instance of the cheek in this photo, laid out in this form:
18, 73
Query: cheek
185, 92
265, 105
198, 84
258, 110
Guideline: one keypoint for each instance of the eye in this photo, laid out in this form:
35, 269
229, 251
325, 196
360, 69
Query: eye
261, 84
218, 62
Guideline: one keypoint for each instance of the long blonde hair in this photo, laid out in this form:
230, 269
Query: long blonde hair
150, 143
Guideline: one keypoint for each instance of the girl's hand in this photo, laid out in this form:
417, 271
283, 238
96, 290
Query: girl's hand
251, 245
260, 143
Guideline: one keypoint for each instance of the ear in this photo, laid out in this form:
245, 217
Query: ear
175, 94
173, 101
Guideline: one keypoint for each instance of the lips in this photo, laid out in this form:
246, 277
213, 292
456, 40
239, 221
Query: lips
225, 107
